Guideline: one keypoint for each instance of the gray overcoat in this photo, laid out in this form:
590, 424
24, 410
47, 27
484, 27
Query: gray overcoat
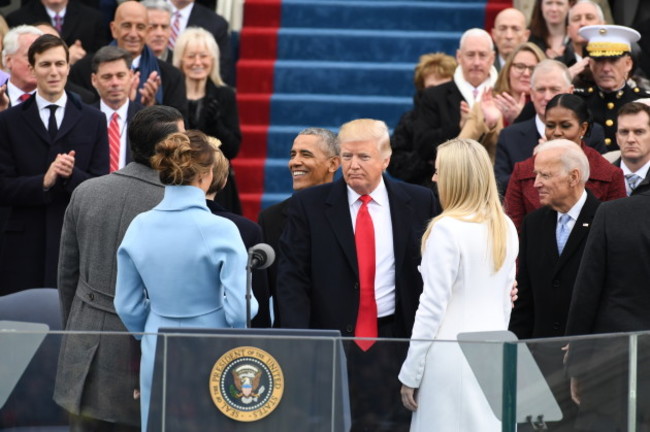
97, 373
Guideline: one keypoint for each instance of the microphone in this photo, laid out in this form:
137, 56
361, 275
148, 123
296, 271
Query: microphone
261, 256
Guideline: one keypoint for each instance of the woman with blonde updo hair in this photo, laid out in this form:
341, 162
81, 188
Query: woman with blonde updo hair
468, 269
178, 264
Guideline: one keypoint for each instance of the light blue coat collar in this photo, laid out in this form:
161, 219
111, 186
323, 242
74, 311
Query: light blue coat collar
182, 197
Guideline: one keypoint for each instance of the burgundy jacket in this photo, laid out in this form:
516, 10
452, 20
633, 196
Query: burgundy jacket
606, 182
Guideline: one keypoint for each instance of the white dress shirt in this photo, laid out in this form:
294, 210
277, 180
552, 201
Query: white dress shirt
52, 14
122, 112
44, 111
541, 127
379, 209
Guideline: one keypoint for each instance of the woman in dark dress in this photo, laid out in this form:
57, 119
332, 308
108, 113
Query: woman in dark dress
212, 104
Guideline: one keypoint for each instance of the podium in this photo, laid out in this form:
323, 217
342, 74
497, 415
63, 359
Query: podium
249, 380
511, 380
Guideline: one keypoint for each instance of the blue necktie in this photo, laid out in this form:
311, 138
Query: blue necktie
562, 232
633, 181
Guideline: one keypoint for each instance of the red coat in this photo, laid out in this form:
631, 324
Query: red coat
606, 182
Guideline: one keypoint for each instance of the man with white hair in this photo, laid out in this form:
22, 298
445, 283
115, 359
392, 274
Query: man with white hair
22, 83
159, 13
438, 116
509, 32
552, 242
517, 141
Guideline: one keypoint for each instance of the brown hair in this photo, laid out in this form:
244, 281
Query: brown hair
183, 156
439, 64
632, 108
219, 169
503, 80
44, 43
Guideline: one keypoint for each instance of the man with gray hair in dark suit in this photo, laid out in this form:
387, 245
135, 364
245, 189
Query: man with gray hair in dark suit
97, 377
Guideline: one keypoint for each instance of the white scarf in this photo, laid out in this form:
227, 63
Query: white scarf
467, 90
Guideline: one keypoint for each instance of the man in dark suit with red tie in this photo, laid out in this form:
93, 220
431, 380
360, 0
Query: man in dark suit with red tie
49, 144
111, 78
552, 242
331, 278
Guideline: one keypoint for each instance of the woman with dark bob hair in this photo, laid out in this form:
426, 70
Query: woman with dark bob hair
567, 116
178, 264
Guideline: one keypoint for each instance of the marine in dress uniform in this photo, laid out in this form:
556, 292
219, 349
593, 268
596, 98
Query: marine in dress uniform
609, 50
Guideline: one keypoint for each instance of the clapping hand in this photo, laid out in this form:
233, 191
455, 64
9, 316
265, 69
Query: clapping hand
509, 106
491, 112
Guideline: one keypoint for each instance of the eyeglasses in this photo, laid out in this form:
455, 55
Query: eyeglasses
521, 67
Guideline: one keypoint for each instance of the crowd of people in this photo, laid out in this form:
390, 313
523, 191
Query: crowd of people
494, 180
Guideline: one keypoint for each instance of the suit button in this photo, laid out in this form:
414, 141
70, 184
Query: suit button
356, 286
556, 283
349, 328
91, 296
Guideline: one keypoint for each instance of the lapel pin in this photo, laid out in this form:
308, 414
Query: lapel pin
585, 224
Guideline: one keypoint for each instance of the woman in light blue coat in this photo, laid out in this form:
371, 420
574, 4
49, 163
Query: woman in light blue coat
179, 265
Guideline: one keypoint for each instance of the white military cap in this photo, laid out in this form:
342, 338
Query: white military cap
609, 40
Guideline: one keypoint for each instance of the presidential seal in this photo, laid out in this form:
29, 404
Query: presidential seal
246, 384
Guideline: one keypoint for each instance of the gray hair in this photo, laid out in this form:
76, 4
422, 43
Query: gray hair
572, 156
108, 54
476, 32
328, 141
550, 65
11, 41
599, 10
160, 5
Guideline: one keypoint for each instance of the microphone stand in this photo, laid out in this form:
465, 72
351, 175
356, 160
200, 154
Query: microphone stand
249, 289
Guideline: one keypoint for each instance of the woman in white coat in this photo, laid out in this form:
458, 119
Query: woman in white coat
179, 265
468, 268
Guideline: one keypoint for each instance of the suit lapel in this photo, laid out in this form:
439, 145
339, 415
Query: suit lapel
71, 116
580, 229
32, 117
549, 241
400, 214
337, 212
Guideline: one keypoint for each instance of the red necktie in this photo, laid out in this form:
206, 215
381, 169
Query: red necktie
23, 97
364, 238
176, 29
114, 142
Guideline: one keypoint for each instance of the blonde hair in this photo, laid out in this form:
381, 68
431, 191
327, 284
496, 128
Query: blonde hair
183, 156
503, 80
202, 37
365, 130
468, 191
438, 64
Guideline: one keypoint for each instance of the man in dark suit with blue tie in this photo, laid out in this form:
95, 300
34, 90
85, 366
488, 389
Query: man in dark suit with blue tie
552, 242
328, 278
633, 138
49, 144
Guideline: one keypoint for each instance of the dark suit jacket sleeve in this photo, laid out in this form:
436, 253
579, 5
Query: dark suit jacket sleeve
591, 279
513, 202
503, 163
294, 269
436, 121
173, 87
523, 315
16, 189
98, 146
